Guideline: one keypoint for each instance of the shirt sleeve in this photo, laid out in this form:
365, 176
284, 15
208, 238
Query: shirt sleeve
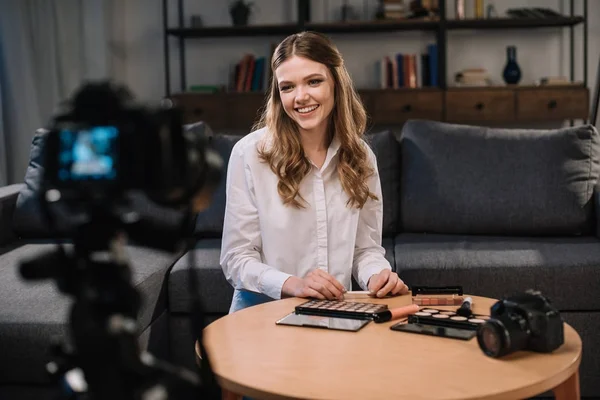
369, 254
241, 246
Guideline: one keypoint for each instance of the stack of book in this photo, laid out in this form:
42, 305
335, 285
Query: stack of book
249, 74
403, 70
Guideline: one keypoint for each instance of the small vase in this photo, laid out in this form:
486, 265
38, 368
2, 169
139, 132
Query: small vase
512, 72
239, 13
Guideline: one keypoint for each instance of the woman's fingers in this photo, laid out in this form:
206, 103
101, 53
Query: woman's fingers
389, 285
331, 280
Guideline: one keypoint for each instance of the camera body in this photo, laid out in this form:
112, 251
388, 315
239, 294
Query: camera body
105, 145
525, 321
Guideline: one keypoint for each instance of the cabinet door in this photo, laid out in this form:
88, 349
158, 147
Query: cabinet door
475, 105
243, 109
209, 108
552, 104
398, 106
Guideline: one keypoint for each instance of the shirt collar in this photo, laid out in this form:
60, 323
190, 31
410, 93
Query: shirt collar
334, 146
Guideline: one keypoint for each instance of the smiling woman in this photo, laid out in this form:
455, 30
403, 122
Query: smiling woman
304, 207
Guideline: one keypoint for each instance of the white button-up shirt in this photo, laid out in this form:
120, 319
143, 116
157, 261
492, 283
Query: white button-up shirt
265, 242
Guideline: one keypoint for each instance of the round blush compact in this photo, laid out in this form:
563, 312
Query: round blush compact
440, 316
458, 318
430, 311
423, 314
476, 320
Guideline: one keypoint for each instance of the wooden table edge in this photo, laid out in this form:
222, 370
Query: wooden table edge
232, 389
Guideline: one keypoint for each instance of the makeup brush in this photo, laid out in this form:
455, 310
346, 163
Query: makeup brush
465, 308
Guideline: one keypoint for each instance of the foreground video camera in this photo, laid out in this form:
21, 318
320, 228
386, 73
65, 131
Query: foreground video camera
105, 145
101, 156
526, 321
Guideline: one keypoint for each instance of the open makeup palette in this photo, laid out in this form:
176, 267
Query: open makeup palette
432, 316
437, 295
340, 309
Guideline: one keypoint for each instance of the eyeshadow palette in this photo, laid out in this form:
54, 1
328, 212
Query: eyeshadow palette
437, 295
340, 309
432, 316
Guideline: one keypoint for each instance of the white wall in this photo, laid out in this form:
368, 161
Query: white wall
540, 52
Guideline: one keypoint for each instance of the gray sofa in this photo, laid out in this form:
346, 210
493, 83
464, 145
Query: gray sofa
496, 211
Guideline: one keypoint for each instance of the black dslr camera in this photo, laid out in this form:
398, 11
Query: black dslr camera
525, 321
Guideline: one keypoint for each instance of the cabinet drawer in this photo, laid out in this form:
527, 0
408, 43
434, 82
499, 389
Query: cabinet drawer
552, 104
196, 107
243, 109
480, 105
396, 107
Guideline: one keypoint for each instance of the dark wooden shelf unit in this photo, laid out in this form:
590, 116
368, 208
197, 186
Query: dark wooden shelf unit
389, 106
494, 104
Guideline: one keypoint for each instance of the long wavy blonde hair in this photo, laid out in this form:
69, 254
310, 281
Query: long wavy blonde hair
347, 122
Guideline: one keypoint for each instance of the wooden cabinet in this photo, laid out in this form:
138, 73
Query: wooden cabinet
479, 105
556, 103
244, 110
398, 106
209, 108
239, 111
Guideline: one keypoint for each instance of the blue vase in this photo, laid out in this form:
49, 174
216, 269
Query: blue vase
512, 72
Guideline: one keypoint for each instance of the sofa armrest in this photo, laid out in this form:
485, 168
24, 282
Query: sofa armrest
8, 201
596, 199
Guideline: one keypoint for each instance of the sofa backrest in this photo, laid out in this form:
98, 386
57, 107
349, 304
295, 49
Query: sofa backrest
387, 151
461, 179
384, 144
209, 223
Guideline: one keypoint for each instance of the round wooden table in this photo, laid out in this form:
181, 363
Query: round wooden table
254, 357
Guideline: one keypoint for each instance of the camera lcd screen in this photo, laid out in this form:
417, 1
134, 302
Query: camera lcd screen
88, 154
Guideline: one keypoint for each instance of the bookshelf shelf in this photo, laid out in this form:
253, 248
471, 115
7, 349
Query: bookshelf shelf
514, 23
374, 26
286, 29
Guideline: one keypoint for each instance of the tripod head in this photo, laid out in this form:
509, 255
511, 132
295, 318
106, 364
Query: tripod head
95, 163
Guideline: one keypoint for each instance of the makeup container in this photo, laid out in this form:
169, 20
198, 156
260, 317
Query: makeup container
450, 319
437, 295
340, 309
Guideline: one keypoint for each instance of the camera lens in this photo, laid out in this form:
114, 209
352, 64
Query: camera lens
498, 338
492, 338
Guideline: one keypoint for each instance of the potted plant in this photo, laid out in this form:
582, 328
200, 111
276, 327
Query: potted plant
240, 11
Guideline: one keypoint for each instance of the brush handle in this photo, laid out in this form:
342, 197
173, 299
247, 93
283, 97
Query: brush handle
395, 313
465, 308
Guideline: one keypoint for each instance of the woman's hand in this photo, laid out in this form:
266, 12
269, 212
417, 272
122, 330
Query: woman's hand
386, 282
318, 284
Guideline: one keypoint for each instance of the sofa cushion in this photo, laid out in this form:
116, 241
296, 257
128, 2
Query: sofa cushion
210, 221
387, 150
34, 313
8, 201
215, 292
476, 180
566, 269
